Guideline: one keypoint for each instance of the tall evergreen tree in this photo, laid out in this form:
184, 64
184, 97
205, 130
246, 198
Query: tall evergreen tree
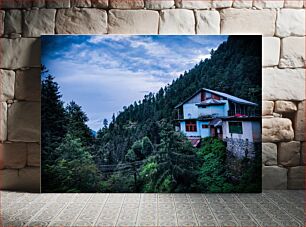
53, 118
77, 124
74, 170
173, 166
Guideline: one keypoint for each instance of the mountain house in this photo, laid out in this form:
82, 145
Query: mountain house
209, 113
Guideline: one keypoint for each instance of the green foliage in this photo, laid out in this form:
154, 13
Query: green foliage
172, 166
117, 182
77, 123
53, 118
212, 156
74, 170
148, 174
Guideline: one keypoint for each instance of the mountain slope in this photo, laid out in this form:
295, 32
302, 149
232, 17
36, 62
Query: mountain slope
234, 68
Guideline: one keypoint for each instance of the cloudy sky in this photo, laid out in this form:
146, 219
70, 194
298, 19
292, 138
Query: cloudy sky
105, 73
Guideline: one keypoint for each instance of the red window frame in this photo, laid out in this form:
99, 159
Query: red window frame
205, 126
191, 126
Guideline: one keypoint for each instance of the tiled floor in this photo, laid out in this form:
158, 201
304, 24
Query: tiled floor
271, 208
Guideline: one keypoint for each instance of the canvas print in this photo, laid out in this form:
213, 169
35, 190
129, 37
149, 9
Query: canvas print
143, 113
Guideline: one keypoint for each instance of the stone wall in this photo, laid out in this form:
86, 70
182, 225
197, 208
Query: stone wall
241, 148
282, 22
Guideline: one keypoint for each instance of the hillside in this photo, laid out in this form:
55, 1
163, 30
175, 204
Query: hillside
234, 68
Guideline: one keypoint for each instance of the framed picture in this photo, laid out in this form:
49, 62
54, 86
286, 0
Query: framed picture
153, 113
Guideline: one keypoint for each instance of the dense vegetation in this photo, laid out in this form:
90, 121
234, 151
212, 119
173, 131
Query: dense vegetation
139, 151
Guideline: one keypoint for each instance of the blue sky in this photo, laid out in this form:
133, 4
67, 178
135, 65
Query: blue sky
105, 73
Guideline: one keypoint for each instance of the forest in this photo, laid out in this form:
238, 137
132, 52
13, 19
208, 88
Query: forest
139, 150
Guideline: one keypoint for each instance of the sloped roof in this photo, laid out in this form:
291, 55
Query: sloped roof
216, 122
222, 94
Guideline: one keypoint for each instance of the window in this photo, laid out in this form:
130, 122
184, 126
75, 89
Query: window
235, 127
215, 97
191, 126
205, 126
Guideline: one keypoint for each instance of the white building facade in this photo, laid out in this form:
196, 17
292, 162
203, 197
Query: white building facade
209, 113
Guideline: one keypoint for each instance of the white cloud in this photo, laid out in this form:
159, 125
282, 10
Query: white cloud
102, 38
200, 57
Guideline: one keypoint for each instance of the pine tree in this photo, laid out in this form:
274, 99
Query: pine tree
53, 118
77, 124
172, 167
74, 170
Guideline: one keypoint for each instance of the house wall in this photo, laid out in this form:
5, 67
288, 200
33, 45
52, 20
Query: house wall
195, 99
247, 131
204, 132
219, 110
192, 111
201, 132
281, 22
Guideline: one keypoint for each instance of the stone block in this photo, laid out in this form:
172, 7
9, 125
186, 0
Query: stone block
24, 122
80, 3
289, 153
290, 22
159, 4
303, 157
33, 158
262, 4
299, 122
277, 129
39, 22
293, 3
126, 4
178, 21
140, 22
3, 121
296, 176
222, 3
269, 154
25, 180
192, 4
293, 52
208, 22
7, 81
274, 177
80, 21
15, 4
55, 4
271, 51
2, 15
27, 86
13, 155
39, 3
248, 21
242, 4
20, 53
285, 107
267, 107
99, 3
276, 84
13, 21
